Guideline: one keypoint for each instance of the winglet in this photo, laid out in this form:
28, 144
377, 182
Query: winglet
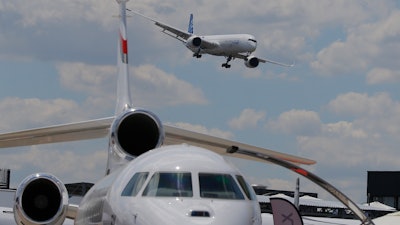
190, 28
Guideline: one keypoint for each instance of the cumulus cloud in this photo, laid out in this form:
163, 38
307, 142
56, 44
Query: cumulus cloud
369, 139
59, 160
382, 76
33, 12
363, 137
361, 104
97, 84
365, 45
204, 130
21, 113
150, 85
248, 118
154, 86
299, 122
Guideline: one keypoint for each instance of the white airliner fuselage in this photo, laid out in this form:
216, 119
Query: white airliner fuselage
230, 46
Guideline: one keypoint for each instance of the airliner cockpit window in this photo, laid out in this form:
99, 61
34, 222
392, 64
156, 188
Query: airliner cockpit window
169, 184
221, 186
135, 184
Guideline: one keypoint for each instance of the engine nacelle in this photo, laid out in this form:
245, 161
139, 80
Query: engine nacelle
40, 199
252, 62
133, 133
193, 42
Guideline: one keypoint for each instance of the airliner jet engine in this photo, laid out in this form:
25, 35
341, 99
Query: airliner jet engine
251, 62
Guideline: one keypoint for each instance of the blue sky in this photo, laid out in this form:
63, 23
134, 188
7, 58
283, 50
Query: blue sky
339, 104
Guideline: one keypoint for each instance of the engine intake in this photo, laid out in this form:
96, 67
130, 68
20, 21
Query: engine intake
136, 132
252, 62
40, 199
193, 42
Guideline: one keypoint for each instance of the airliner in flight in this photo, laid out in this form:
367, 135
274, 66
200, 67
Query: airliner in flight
155, 175
230, 46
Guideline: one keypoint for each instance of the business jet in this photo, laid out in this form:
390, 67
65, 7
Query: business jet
155, 174
230, 46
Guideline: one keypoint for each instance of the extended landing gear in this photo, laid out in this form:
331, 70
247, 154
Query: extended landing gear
197, 55
227, 65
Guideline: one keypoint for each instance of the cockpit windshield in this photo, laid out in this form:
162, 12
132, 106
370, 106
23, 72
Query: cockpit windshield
165, 184
221, 186
179, 184
135, 184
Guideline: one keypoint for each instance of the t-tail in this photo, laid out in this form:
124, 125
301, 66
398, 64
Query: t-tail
133, 131
124, 101
190, 28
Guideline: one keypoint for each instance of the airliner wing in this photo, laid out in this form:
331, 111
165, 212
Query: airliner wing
167, 29
176, 33
245, 57
100, 128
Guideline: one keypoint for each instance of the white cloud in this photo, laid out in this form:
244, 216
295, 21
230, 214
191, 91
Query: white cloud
344, 129
40, 11
153, 86
97, 82
382, 76
248, 118
204, 130
32, 112
150, 85
361, 104
68, 165
369, 140
366, 44
300, 122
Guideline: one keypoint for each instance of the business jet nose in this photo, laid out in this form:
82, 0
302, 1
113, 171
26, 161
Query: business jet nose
201, 212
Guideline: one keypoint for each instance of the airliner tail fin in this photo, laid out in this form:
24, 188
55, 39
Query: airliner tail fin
190, 28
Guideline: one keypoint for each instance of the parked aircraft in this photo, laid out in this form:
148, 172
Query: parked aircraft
230, 46
150, 178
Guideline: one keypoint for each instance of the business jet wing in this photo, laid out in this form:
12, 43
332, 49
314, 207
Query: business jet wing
245, 57
59, 133
176, 135
100, 128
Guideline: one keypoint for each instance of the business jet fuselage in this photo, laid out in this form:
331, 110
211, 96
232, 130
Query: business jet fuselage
178, 184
